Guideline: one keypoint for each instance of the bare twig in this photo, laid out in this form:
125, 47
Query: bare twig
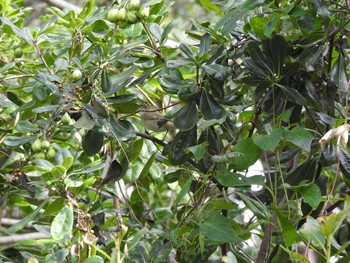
150, 137
16, 238
62, 4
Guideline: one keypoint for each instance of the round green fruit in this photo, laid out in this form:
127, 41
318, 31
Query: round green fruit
36, 146
51, 153
18, 52
40, 155
131, 17
134, 5
65, 118
143, 12
45, 144
76, 75
121, 14
112, 15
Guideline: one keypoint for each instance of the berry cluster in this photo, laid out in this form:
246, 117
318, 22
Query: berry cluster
128, 14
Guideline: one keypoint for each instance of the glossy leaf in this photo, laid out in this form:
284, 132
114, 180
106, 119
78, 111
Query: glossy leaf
106, 83
230, 179
14, 141
293, 94
122, 130
311, 194
278, 47
338, 73
209, 107
289, 233
92, 142
186, 118
62, 224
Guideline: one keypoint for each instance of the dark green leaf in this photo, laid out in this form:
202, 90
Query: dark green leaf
40, 93
209, 107
94, 259
167, 30
177, 150
258, 57
205, 44
187, 50
122, 130
293, 95
210, 6
106, 83
26, 126
278, 47
218, 228
92, 142
270, 26
338, 73
344, 158
186, 118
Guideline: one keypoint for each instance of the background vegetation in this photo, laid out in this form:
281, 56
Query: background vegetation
125, 139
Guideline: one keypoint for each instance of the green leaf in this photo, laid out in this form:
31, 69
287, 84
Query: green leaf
92, 142
269, 142
94, 259
85, 121
270, 26
230, 179
218, 229
210, 6
147, 167
73, 181
209, 107
25, 221
204, 44
187, 50
228, 22
338, 73
184, 190
122, 130
186, 118
288, 231
223, 204
177, 149
300, 137
278, 48
62, 224
167, 30
106, 82
311, 194
54, 207
156, 30
293, 95
88, 9
248, 154
14, 141
68, 162
58, 171
198, 150
40, 93
26, 126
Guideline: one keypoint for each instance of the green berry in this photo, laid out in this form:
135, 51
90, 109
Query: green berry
121, 15
45, 144
51, 153
36, 146
40, 155
76, 75
143, 12
65, 118
131, 17
112, 15
134, 5
18, 52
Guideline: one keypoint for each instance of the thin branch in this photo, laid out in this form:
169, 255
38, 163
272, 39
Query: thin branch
62, 4
151, 138
16, 238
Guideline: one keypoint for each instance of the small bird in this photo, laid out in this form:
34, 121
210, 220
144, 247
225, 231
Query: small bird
155, 121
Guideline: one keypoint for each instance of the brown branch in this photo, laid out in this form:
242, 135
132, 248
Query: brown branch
16, 238
62, 4
151, 138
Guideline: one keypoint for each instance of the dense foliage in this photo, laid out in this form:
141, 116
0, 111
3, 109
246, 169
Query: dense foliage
123, 142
